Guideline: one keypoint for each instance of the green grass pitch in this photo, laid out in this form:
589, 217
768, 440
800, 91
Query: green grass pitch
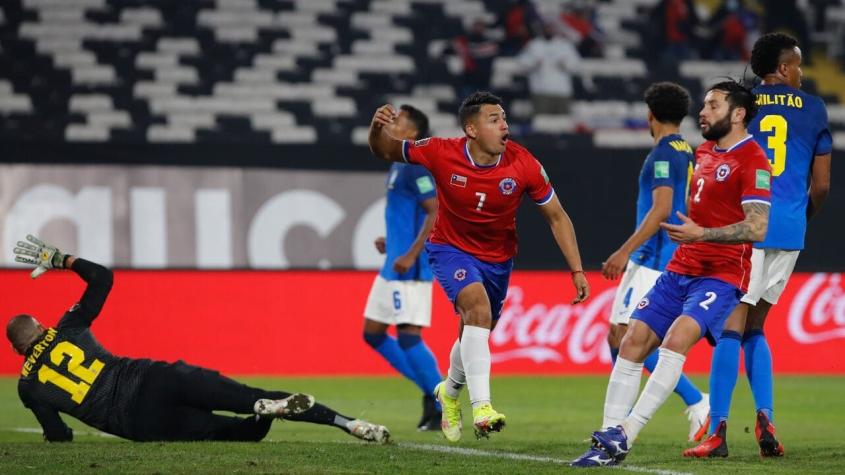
548, 420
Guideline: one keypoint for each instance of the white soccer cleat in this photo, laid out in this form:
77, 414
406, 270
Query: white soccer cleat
699, 418
368, 431
293, 404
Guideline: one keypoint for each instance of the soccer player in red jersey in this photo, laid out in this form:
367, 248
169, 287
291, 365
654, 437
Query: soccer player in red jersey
480, 180
729, 204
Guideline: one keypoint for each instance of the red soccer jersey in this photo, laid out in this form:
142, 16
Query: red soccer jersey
477, 204
723, 181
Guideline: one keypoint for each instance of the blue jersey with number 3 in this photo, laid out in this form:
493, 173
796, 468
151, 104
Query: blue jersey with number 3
668, 164
407, 187
791, 127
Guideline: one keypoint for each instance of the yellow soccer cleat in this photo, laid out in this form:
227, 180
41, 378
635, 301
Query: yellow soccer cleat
450, 423
487, 420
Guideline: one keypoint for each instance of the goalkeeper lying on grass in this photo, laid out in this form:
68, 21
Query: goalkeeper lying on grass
67, 370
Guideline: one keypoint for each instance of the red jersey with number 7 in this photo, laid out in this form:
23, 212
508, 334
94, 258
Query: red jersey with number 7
477, 204
722, 182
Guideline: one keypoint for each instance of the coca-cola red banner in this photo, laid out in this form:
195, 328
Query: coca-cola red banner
310, 322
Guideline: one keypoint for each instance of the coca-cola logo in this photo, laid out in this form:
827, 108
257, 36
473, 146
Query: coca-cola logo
817, 313
556, 332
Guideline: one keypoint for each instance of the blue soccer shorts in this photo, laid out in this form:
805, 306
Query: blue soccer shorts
455, 269
707, 300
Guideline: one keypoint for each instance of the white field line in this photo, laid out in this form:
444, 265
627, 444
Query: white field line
530, 458
435, 448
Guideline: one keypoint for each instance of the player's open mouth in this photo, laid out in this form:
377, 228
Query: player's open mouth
505, 138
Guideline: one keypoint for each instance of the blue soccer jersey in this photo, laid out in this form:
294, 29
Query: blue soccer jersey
407, 187
668, 164
791, 127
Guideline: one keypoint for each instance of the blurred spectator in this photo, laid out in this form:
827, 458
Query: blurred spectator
675, 23
521, 23
477, 50
785, 15
549, 59
734, 28
580, 19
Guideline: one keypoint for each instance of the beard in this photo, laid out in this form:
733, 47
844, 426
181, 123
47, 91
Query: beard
719, 129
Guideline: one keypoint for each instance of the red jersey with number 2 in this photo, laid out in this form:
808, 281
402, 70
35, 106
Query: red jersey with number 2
722, 182
477, 204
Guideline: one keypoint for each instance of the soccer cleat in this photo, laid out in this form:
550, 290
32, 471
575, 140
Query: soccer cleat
594, 457
765, 432
430, 420
450, 422
485, 419
699, 418
368, 431
714, 446
293, 404
613, 441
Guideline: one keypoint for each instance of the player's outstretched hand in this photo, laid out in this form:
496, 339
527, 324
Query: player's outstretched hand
384, 115
686, 232
582, 287
381, 244
39, 253
614, 266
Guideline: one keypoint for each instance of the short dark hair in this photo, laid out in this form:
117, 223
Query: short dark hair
765, 56
472, 104
738, 95
668, 102
418, 118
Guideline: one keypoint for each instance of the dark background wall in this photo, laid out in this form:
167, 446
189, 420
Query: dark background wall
596, 186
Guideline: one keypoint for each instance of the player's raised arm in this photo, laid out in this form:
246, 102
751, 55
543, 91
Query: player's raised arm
45, 256
99, 279
564, 233
382, 144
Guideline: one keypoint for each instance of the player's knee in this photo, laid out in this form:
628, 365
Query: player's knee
479, 316
375, 339
408, 340
615, 334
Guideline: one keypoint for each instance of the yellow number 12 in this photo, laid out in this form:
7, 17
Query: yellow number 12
87, 375
777, 141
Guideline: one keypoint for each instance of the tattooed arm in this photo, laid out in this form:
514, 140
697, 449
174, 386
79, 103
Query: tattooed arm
752, 229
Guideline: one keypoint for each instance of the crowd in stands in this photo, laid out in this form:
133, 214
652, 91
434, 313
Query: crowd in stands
299, 71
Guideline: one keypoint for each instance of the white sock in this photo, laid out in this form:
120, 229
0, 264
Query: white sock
659, 386
456, 378
622, 390
475, 355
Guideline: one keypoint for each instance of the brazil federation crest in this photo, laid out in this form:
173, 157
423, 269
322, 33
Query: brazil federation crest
507, 186
460, 274
723, 172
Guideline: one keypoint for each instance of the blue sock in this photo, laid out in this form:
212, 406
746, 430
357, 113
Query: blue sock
421, 360
614, 352
389, 349
688, 392
723, 372
758, 366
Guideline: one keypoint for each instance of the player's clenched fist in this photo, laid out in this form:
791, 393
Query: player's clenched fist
384, 115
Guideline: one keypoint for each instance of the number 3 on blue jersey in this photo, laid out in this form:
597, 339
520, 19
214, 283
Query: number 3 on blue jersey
777, 141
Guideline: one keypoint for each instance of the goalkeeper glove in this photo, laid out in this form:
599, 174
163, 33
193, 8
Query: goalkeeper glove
37, 252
